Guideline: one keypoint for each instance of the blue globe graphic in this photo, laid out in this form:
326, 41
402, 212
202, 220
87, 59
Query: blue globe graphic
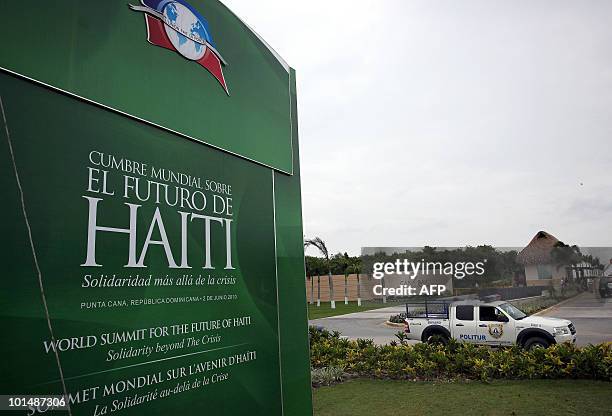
184, 19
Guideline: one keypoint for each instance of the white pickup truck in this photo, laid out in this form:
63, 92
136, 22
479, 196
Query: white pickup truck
488, 323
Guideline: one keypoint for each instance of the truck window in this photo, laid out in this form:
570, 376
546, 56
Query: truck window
487, 313
465, 312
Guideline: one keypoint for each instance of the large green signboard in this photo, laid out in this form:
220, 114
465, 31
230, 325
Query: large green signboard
153, 258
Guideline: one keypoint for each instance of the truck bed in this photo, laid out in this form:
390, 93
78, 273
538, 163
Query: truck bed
420, 315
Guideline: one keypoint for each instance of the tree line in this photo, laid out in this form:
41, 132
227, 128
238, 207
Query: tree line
501, 266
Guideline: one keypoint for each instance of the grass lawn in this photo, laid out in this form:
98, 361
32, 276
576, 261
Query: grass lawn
325, 309
525, 397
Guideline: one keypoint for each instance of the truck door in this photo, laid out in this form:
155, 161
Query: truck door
494, 326
463, 326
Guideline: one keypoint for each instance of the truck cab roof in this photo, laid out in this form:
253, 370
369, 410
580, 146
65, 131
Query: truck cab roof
477, 303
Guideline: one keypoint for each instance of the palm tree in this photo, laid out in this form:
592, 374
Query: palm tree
309, 276
318, 290
346, 265
346, 275
355, 267
311, 290
320, 245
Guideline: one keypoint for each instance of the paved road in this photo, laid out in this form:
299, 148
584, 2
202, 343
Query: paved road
591, 316
367, 324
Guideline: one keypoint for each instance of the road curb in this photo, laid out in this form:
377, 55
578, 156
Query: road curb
556, 305
394, 324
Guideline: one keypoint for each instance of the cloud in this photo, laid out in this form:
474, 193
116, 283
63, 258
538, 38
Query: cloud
448, 123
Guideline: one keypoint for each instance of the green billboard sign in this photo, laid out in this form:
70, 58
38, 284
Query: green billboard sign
151, 213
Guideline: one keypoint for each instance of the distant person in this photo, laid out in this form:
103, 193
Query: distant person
563, 286
607, 272
605, 283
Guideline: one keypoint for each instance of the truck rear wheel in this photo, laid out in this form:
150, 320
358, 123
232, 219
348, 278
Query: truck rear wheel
437, 339
536, 342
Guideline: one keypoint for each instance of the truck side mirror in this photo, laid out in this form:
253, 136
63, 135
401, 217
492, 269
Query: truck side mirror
502, 318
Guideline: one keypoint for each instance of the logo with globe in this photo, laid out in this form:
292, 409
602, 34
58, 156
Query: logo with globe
177, 26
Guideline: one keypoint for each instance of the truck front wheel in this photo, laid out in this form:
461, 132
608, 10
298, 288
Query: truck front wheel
536, 342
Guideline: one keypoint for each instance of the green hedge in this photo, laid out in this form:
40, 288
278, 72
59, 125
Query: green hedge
458, 360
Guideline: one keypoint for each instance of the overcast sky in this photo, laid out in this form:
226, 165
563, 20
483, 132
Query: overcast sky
449, 123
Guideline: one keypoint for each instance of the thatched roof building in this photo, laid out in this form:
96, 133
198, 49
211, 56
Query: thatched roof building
538, 250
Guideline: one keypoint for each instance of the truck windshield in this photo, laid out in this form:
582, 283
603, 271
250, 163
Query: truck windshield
513, 311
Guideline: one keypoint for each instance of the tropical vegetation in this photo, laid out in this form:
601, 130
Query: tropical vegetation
457, 360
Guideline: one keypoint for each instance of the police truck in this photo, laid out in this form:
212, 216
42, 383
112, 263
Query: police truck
495, 323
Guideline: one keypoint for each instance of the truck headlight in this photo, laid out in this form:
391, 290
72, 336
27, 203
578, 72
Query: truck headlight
562, 330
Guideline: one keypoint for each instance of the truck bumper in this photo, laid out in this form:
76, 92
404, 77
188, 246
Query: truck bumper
565, 338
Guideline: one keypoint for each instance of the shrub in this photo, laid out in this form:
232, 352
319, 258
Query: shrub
458, 360
326, 376
398, 319
402, 337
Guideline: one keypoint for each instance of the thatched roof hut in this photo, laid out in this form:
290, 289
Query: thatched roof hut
538, 250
